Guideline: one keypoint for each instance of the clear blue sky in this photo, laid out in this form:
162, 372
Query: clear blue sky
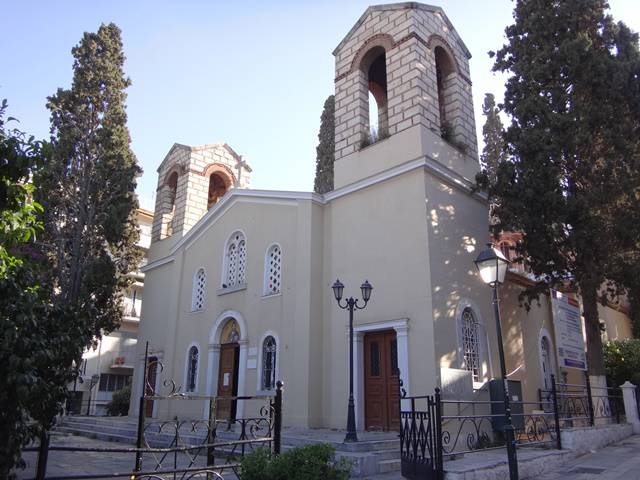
254, 74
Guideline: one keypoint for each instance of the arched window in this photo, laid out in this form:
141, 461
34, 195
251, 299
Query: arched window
269, 350
273, 270
546, 362
192, 369
197, 296
374, 68
471, 344
444, 68
235, 261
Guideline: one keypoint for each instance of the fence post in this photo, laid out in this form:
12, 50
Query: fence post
630, 404
589, 398
277, 418
556, 413
140, 435
212, 434
43, 455
438, 432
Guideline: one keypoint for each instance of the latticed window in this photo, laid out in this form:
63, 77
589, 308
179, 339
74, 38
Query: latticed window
471, 343
236, 261
269, 363
242, 262
273, 269
199, 282
192, 369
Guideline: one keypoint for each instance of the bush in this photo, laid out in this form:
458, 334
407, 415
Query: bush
313, 462
622, 361
119, 404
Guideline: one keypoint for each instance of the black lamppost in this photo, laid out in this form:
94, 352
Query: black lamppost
492, 266
351, 304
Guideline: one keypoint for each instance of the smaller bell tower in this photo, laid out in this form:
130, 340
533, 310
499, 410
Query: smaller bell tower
191, 180
408, 62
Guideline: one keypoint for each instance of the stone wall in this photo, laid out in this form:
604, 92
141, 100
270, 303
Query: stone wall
408, 33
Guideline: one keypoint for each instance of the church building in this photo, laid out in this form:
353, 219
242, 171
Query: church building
238, 284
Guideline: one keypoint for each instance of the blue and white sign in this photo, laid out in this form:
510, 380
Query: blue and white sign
567, 324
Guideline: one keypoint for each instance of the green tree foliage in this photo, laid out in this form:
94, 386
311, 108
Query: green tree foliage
493, 152
87, 189
36, 339
622, 361
325, 151
572, 181
312, 462
119, 404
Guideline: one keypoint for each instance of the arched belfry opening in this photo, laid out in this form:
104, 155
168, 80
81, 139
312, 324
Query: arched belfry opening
374, 68
170, 205
218, 186
445, 68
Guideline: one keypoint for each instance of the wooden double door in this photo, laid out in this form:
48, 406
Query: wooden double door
381, 388
228, 380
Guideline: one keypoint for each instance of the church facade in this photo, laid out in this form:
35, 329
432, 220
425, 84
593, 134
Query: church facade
238, 284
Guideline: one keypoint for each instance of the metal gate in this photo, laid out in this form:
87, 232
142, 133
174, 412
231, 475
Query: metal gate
420, 436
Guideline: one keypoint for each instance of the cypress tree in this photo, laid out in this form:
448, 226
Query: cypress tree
572, 180
325, 151
87, 189
492, 132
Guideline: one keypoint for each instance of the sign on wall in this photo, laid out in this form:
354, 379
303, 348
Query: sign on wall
568, 328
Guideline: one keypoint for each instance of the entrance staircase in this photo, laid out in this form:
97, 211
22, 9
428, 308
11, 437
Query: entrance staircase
374, 453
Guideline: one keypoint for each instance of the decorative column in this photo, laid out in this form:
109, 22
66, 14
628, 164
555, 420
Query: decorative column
358, 377
630, 405
402, 339
213, 363
242, 371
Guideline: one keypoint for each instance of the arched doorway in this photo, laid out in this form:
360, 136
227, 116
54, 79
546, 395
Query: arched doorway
228, 369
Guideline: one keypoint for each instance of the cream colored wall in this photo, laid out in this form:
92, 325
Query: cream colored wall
157, 319
295, 226
457, 226
617, 324
412, 144
377, 234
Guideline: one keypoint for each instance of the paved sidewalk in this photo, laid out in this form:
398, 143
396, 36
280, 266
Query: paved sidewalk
66, 463
620, 461
615, 462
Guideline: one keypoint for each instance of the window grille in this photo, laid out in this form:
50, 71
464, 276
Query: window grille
273, 270
471, 343
242, 262
269, 348
192, 369
199, 282
236, 261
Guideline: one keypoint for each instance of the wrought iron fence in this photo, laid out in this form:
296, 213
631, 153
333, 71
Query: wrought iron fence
585, 405
465, 431
433, 428
185, 448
